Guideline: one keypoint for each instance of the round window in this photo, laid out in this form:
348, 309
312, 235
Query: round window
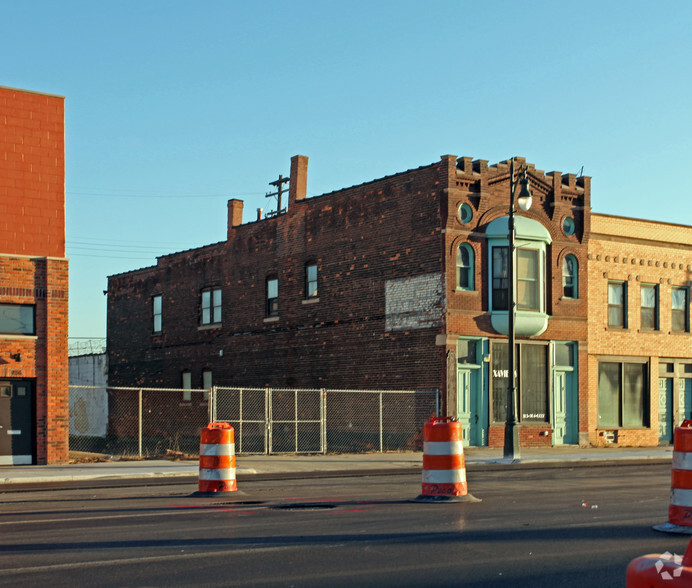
465, 213
568, 225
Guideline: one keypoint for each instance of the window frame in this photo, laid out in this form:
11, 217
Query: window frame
500, 279
685, 310
623, 307
186, 385
271, 302
468, 268
623, 383
211, 307
526, 282
500, 387
157, 313
570, 280
207, 382
31, 330
311, 282
644, 311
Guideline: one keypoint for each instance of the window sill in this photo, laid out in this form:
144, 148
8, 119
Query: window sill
209, 327
616, 329
271, 319
310, 300
633, 428
464, 290
18, 336
651, 331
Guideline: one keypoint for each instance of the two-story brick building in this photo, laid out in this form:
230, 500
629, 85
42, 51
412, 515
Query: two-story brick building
33, 280
640, 348
397, 283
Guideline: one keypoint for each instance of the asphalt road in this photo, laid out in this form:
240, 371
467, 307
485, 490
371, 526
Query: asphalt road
543, 527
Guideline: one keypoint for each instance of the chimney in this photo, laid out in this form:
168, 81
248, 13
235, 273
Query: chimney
235, 214
297, 189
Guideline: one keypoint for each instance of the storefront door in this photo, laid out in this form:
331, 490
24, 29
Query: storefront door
16, 422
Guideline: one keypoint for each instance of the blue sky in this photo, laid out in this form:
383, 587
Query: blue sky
174, 107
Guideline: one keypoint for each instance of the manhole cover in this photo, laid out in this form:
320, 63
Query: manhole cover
303, 506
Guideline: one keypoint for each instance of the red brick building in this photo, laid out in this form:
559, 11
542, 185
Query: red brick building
398, 283
33, 279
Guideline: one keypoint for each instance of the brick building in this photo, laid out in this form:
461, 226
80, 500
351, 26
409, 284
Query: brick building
33, 279
398, 283
640, 349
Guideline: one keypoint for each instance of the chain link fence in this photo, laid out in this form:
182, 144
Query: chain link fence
149, 422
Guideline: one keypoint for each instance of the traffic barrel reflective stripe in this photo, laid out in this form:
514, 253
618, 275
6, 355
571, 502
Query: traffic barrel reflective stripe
444, 464
680, 508
217, 459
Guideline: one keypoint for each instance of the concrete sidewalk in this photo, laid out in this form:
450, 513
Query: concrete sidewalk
477, 459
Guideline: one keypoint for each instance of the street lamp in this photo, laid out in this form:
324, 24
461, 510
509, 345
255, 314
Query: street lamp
511, 430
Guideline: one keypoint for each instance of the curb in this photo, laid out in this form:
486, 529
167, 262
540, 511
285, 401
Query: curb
249, 475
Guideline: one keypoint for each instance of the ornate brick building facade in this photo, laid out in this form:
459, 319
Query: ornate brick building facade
400, 282
33, 280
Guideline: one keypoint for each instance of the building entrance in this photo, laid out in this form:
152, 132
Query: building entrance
16, 422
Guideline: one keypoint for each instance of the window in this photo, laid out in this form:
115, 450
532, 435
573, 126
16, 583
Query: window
311, 280
156, 304
570, 269
206, 383
272, 296
617, 307
528, 296
681, 317
465, 267
211, 306
568, 225
18, 319
500, 278
531, 367
623, 396
527, 275
186, 384
465, 213
649, 306
467, 351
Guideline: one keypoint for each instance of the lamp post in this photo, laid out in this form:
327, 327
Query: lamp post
512, 450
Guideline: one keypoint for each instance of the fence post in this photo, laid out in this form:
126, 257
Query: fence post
140, 422
295, 417
212, 404
380, 421
267, 422
323, 419
240, 423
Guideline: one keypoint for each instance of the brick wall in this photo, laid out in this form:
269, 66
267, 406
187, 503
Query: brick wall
33, 268
360, 238
486, 190
32, 182
635, 252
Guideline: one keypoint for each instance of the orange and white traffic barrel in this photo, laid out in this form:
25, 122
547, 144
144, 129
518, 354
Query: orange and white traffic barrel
663, 570
444, 465
680, 509
217, 459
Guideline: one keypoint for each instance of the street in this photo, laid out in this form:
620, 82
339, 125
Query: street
534, 527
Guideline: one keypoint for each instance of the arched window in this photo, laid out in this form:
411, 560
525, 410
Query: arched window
465, 267
570, 277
